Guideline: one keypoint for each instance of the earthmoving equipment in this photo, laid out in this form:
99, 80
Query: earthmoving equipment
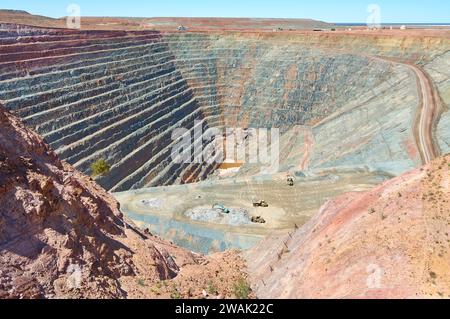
222, 208
258, 220
290, 181
261, 203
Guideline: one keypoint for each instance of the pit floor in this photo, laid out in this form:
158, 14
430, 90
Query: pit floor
288, 206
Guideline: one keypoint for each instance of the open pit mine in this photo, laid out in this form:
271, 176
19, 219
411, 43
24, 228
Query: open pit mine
361, 186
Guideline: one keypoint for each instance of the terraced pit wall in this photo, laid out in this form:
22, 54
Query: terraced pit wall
118, 95
110, 95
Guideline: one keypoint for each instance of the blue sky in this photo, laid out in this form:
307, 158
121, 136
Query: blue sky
414, 11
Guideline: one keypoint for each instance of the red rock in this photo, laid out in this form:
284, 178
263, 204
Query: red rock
63, 236
39, 232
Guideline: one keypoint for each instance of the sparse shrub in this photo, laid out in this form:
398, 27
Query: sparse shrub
100, 167
141, 282
242, 289
175, 294
212, 288
156, 292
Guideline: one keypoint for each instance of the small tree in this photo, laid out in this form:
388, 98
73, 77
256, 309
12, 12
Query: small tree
100, 167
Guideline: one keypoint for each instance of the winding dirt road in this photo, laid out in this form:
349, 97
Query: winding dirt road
423, 125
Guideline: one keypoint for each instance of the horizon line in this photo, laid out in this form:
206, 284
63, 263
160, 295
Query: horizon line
228, 17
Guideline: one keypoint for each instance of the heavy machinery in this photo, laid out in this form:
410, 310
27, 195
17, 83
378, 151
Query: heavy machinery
222, 208
261, 203
258, 220
290, 181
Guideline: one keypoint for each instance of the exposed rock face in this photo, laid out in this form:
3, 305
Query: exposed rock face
356, 110
118, 95
57, 226
110, 95
63, 236
391, 242
439, 70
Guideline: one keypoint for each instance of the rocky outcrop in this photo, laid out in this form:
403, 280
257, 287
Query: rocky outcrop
358, 109
391, 242
63, 236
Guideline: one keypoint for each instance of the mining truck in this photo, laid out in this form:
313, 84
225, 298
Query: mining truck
258, 220
261, 203
290, 181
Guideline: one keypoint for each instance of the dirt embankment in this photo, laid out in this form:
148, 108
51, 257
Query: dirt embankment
391, 242
164, 23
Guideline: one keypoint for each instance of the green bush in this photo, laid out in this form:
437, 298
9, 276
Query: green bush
100, 167
242, 289
175, 294
141, 282
212, 288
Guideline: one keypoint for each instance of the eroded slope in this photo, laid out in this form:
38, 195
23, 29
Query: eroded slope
391, 242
